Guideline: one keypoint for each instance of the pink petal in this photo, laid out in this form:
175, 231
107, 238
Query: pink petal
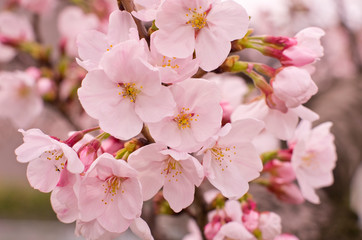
155, 108
180, 42
179, 194
92, 45
91, 195
282, 125
243, 131
230, 18
140, 228
42, 175
211, 48
112, 221
120, 22
130, 202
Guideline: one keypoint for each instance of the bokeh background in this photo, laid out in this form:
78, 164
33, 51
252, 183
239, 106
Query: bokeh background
26, 213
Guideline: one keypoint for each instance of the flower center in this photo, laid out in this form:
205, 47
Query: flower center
129, 90
168, 63
110, 46
57, 157
197, 18
112, 186
222, 155
171, 169
184, 118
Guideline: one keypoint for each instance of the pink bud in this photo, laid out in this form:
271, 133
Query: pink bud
280, 41
213, 227
251, 220
88, 153
288, 193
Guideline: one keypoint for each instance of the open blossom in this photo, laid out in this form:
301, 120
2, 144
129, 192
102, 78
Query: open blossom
196, 118
294, 86
206, 27
177, 172
231, 161
72, 21
110, 193
280, 124
14, 28
19, 98
126, 93
47, 159
307, 50
92, 44
314, 158
173, 69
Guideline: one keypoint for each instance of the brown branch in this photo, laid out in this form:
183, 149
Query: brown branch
129, 6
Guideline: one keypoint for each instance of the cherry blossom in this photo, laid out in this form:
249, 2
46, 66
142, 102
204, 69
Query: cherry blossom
19, 98
314, 158
294, 86
92, 44
307, 50
110, 193
197, 116
206, 26
281, 125
14, 28
128, 89
231, 161
177, 172
47, 159
172, 69
72, 21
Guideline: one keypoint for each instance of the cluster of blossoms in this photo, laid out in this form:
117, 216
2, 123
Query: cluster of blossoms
165, 130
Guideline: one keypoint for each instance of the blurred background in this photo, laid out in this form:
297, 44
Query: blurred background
26, 213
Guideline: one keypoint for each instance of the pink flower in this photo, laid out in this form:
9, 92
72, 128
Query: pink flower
14, 28
196, 118
287, 192
72, 21
314, 158
281, 125
47, 159
19, 98
269, 225
126, 93
92, 44
110, 193
294, 86
206, 26
173, 69
307, 50
177, 172
231, 161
